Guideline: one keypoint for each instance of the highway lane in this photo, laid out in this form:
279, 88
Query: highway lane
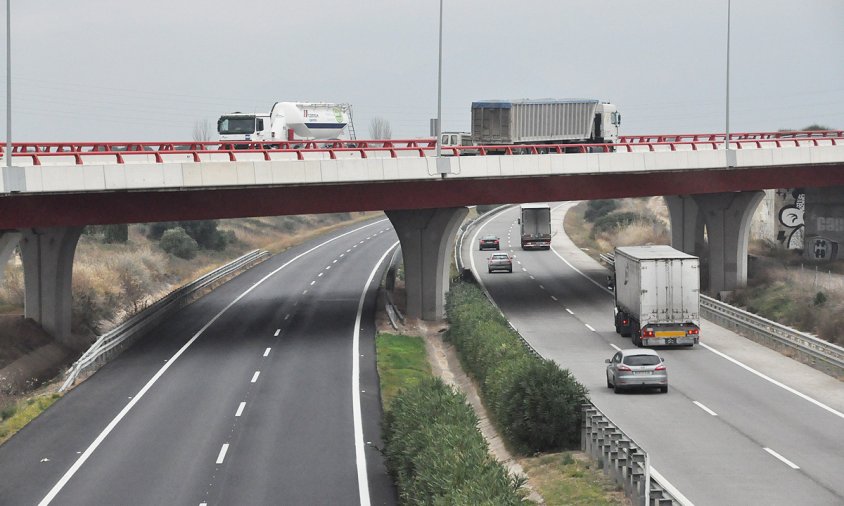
711, 459
258, 409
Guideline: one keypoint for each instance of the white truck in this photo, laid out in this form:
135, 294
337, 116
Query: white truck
288, 121
657, 295
544, 121
535, 225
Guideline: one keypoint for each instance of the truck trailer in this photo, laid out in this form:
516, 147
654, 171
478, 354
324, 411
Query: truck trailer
535, 224
657, 295
544, 121
288, 121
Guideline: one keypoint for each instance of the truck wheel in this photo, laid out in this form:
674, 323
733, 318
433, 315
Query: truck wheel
637, 338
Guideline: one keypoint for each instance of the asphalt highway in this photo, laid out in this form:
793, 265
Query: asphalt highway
262, 392
741, 424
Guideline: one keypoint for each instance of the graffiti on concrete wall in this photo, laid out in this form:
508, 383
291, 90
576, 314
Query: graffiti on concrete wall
824, 219
792, 205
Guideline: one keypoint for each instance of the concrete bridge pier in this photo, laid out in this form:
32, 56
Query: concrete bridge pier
427, 240
727, 217
47, 255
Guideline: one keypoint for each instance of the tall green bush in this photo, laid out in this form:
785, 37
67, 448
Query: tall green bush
534, 403
436, 454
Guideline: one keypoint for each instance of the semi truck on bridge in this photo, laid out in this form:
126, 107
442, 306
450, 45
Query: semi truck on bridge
289, 121
543, 121
657, 295
535, 226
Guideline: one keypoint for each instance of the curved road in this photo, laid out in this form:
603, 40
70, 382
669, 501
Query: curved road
262, 392
741, 424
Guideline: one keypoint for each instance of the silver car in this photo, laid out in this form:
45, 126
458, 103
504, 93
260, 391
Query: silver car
636, 368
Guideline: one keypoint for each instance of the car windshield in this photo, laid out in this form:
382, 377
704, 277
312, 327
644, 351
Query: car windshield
641, 360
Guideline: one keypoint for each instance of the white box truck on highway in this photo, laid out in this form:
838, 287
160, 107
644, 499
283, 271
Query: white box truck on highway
535, 226
289, 121
657, 295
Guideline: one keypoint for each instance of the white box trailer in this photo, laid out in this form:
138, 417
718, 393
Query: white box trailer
544, 121
535, 226
657, 295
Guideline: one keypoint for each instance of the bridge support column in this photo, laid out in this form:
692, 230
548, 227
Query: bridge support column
687, 224
427, 239
728, 217
48, 267
8, 240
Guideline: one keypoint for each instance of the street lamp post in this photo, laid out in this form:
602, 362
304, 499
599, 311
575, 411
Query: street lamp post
8, 84
727, 137
440, 85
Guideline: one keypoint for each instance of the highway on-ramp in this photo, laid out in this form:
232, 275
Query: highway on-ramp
740, 424
262, 392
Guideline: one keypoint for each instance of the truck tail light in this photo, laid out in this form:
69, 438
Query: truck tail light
693, 332
648, 333
625, 322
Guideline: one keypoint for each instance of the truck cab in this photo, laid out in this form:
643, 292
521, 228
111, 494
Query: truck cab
239, 126
607, 121
456, 139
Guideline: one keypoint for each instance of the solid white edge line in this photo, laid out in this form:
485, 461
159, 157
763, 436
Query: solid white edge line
683, 500
723, 355
360, 454
240, 409
701, 406
222, 456
775, 382
137, 397
782, 459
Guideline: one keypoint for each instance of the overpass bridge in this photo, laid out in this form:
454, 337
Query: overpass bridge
53, 190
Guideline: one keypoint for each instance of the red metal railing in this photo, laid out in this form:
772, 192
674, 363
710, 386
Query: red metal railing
160, 152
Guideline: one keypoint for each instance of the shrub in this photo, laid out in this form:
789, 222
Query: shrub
436, 454
177, 242
204, 232
599, 208
616, 221
535, 404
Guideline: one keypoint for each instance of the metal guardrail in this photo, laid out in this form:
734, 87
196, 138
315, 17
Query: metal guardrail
820, 354
111, 341
622, 459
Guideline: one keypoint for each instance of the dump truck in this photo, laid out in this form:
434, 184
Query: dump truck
288, 121
544, 121
657, 295
535, 225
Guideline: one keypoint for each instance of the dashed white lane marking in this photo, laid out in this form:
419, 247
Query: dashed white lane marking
523, 269
320, 274
304, 292
570, 311
701, 406
555, 298
342, 255
222, 456
137, 397
775, 382
240, 409
589, 327
328, 268
286, 317
267, 352
615, 347
312, 283
255, 376
782, 459
532, 277
278, 331
542, 287
348, 251
335, 260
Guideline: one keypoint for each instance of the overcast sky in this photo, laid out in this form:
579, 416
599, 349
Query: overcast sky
91, 70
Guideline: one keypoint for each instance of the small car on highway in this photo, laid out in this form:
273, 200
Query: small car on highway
489, 242
500, 262
636, 368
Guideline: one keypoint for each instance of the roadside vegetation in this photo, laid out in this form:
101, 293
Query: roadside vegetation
782, 286
14, 416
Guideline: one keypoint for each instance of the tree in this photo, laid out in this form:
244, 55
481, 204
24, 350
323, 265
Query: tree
177, 242
379, 128
201, 131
